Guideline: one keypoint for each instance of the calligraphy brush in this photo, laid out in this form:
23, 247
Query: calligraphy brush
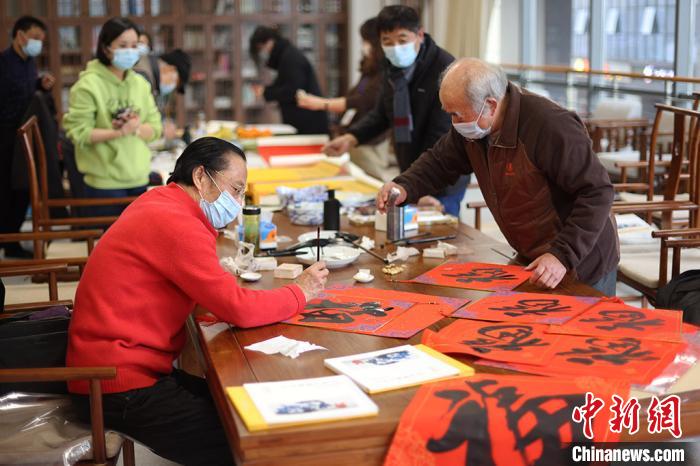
370, 252
403, 240
318, 244
282, 253
432, 238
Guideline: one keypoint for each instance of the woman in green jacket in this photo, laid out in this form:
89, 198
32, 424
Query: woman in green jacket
111, 118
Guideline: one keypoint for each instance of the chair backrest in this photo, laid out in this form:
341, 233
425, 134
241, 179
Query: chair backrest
684, 157
618, 135
35, 155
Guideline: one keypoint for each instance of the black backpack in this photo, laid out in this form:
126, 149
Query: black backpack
34, 339
683, 292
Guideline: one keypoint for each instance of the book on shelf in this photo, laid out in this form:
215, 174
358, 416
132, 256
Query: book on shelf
287, 403
398, 367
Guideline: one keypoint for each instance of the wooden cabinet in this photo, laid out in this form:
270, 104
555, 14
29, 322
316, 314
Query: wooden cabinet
214, 32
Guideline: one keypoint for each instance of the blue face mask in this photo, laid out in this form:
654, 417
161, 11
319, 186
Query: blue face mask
401, 56
471, 129
125, 59
32, 48
166, 89
143, 49
223, 210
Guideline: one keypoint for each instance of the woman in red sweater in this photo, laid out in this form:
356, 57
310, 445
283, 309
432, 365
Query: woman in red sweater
139, 286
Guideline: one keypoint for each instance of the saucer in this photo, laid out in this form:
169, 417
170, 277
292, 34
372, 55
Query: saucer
251, 276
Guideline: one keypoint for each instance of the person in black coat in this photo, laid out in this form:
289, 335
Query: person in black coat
294, 72
408, 103
18, 82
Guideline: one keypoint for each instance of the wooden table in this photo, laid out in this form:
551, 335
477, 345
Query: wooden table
356, 442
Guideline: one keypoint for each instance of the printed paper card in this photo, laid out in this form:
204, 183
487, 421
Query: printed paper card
500, 341
398, 367
501, 420
295, 402
614, 318
475, 276
534, 308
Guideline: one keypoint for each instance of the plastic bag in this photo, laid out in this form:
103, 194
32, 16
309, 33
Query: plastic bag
43, 429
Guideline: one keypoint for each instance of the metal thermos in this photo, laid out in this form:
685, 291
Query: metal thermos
394, 217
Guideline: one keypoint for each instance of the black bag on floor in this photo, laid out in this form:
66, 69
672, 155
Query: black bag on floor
683, 292
34, 339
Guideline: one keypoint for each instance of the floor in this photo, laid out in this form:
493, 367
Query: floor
145, 457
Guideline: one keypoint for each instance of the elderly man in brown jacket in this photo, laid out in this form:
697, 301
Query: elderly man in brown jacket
547, 190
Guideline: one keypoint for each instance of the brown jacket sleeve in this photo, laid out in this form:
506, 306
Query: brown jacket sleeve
564, 153
438, 167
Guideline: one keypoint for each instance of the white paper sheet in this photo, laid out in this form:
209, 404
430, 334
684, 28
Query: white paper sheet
283, 345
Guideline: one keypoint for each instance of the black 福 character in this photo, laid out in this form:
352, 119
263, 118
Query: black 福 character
470, 421
505, 337
481, 275
535, 307
619, 319
618, 352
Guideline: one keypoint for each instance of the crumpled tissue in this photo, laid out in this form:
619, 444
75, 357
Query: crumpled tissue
285, 346
402, 254
367, 243
244, 261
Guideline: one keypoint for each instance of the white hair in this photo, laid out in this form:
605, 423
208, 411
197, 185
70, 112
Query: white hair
479, 79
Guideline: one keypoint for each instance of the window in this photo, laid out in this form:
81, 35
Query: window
640, 38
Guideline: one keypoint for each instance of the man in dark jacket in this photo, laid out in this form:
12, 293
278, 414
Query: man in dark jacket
294, 72
408, 103
548, 192
18, 82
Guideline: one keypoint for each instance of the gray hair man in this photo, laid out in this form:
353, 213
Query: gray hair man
547, 190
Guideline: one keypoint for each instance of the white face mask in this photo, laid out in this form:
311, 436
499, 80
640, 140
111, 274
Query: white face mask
223, 210
471, 129
143, 49
401, 56
32, 48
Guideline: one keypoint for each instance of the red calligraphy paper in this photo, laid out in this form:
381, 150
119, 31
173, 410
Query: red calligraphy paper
349, 313
268, 151
500, 341
376, 312
475, 276
535, 308
631, 359
427, 309
617, 319
499, 420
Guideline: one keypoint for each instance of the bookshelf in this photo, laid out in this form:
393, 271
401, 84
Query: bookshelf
214, 32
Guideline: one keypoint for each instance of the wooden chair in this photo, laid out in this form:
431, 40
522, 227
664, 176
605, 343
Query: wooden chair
644, 267
52, 271
683, 166
35, 154
93, 375
618, 142
56, 374
41, 240
676, 241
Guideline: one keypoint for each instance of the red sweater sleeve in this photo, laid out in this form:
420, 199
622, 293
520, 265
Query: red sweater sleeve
192, 264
